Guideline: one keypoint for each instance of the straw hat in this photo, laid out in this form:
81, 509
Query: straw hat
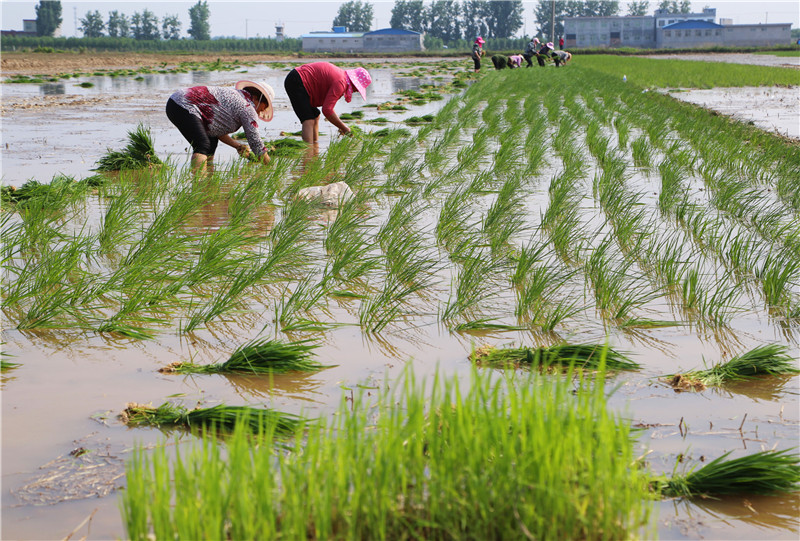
266, 91
361, 79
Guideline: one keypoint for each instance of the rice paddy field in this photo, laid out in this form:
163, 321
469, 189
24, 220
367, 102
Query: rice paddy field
557, 305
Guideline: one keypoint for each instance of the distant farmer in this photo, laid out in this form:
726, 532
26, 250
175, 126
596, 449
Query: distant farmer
561, 42
544, 52
478, 52
560, 57
500, 61
530, 51
321, 84
515, 61
206, 115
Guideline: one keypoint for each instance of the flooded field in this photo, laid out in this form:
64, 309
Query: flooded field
488, 170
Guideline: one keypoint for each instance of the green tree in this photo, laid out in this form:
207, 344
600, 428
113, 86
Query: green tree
503, 19
199, 27
638, 7
92, 25
48, 17
475, 13
355, 15
685, 6
171, 27
570, 8
409, 15
118, 25
145, 25
442, 22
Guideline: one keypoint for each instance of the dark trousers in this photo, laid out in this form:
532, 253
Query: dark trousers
527, 58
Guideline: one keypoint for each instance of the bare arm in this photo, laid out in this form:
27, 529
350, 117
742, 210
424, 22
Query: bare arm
334, 119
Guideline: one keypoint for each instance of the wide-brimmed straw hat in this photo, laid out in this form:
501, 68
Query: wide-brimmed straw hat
361, 79
266, 91
550, 44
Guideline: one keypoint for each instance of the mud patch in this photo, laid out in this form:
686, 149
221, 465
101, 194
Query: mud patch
80, 474
774, 109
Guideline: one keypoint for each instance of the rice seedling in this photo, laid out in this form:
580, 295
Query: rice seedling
138, 153
641, 151
477, 278
216, 418
421, 483
766, 360
765, 472
506, 217
585, 356
259, 356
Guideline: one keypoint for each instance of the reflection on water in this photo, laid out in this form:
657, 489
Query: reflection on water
298, 385
749, 517
53, 89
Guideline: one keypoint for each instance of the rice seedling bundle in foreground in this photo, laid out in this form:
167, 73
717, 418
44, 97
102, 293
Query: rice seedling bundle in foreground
588, 356
767, 472
258, 357
767, 360
219, 417
139, 153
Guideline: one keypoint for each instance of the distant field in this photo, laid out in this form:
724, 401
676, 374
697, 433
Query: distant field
668, 73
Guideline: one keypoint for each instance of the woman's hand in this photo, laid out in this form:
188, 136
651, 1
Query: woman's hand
345, 131
243, 151
265, 159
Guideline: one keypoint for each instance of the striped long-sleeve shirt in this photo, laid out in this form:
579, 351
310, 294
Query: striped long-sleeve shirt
223, 110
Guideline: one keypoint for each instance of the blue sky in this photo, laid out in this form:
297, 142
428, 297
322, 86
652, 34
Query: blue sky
253, 18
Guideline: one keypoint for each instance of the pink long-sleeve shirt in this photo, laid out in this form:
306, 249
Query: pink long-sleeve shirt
325, 84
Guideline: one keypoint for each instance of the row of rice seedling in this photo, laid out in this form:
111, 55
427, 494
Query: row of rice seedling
164, 271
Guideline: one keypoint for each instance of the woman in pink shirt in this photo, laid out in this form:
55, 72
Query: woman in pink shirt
321, 84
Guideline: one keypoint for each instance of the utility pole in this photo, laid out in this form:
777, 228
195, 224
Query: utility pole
553, 20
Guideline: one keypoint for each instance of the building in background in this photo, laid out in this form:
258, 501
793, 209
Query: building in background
671, 30
28, 29
386, 40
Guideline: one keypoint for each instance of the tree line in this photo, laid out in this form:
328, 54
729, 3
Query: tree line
444, 22
139, 26
452, 21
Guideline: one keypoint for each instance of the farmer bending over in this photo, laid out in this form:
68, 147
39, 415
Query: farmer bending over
206, 115
560, 57
544, 52
530, 51
321, 84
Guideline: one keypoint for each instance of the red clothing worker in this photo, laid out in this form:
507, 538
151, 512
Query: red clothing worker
321, 84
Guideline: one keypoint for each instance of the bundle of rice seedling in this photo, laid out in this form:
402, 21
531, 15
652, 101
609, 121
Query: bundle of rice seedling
766, 472
287, 147
258, 357
768, 360
138, 154
220, 417
586, 356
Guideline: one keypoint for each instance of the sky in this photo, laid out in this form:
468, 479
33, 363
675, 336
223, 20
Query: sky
257, 18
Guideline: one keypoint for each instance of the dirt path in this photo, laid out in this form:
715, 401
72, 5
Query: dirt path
27, 63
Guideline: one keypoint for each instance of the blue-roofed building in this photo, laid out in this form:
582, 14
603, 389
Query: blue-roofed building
671, 30
385, 40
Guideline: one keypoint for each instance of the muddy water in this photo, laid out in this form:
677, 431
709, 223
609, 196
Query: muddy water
71, 386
